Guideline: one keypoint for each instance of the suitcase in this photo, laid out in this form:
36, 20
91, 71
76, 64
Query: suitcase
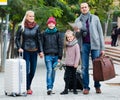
79, 82
103, 68
15, 77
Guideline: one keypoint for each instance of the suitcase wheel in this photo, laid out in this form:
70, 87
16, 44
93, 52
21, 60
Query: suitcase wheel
5, 93
14, 94
24, 94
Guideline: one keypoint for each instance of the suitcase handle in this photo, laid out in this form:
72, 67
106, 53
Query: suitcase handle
21, 55
20, 71
107, 57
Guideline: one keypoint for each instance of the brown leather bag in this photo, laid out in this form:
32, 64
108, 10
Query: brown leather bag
103, 68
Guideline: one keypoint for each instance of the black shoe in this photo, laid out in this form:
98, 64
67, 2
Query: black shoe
64, 92
49, 92
75, 92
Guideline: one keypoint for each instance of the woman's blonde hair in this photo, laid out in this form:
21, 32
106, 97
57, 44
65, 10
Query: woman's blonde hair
24, 18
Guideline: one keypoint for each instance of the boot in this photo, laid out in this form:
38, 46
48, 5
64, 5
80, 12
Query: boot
75, 92
64, 92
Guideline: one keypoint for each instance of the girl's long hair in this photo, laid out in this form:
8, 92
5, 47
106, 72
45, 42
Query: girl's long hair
65, 40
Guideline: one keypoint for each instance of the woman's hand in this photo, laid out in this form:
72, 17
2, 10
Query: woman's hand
20, 50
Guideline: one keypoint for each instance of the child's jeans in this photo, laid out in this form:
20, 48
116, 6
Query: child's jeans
49, 61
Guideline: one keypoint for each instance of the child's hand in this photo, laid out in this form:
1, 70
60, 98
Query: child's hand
76, 65
41, 54
59, 60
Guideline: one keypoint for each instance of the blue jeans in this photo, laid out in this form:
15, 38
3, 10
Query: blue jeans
86, 50
49, 61
31, 62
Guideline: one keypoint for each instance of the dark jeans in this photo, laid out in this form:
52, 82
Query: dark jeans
86, 51
70, 77
114, 40
31, 62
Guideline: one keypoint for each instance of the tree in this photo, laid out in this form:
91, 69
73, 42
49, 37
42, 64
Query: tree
63, 10
117, 11
17, 8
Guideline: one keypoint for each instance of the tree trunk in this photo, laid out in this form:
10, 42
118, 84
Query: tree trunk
106, 26
10, 52
12, 41
1, 49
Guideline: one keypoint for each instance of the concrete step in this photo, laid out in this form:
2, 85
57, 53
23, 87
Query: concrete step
114, 53
113, 48
116, 62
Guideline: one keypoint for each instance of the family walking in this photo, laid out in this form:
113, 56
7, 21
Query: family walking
77, 45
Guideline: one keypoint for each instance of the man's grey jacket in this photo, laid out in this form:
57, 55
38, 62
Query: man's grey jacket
96, 33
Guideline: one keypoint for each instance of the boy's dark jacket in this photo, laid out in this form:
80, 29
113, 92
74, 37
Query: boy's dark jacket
53, 44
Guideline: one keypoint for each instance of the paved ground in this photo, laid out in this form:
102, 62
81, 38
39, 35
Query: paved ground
109, 92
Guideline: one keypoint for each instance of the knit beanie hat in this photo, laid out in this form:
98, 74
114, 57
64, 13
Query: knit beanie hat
51, 19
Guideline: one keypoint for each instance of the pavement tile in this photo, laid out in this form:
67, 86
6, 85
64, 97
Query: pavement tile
109, 92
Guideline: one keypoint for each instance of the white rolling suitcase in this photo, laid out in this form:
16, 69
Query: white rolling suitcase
15, 77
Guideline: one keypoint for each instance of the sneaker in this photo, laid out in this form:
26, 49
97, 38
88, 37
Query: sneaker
85, 91
29, 92
98, 90
53, 92
49, 92
64, 92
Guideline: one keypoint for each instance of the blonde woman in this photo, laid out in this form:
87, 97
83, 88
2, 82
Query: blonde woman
29, 33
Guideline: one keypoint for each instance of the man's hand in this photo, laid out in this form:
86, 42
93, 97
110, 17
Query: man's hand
76, 29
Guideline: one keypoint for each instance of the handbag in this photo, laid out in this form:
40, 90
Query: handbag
103, 68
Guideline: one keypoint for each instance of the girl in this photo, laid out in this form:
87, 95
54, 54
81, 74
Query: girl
72, 53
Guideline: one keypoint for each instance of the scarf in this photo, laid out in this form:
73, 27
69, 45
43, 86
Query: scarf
83, 19
71, 43
30, 24
51, 31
